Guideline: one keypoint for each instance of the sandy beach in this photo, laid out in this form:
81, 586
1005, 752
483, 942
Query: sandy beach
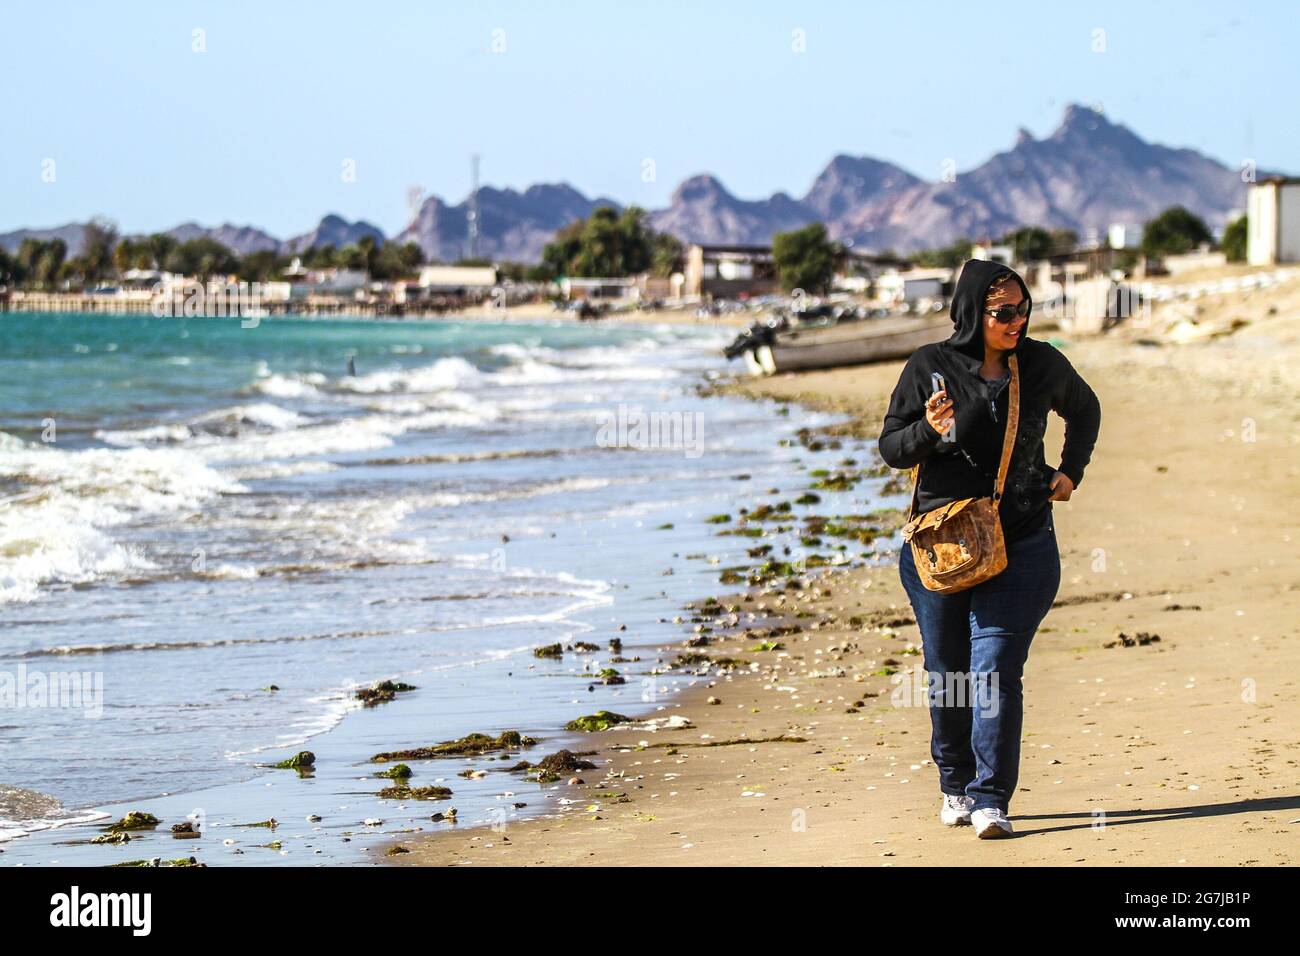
1160, 724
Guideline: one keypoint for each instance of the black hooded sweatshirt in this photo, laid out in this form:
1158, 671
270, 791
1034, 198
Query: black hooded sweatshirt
967, 466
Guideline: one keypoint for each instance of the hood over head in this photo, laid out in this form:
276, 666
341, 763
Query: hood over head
967, 308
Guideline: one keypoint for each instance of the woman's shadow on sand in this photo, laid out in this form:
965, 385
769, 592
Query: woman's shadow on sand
1109, 818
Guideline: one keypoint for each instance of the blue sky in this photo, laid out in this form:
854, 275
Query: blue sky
257, 129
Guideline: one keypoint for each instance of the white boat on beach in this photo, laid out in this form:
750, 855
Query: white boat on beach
769, 349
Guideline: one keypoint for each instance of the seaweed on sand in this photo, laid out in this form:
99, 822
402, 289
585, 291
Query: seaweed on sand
600, 720
381, 692
403, 792
471, 745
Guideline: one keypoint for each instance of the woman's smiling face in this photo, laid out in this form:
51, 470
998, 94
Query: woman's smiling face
998, 335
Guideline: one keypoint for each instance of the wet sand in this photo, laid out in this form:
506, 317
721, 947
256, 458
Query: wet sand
1180, 751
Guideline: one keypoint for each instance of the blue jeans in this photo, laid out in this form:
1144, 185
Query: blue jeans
976, 642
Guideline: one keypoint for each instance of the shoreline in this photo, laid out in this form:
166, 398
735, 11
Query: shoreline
343, 748
1166, 752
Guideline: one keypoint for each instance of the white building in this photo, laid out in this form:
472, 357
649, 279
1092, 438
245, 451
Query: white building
1202, 258
461, 279
912, 286
992, 253
1124, 235
1273, 221
613, 289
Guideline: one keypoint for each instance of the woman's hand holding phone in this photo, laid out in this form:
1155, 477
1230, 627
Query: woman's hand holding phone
938, 411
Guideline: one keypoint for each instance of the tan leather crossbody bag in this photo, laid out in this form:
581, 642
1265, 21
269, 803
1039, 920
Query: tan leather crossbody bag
958, 545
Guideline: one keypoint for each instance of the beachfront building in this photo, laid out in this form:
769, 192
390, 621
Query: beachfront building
729, 272
913, 286
858, 271
989, 252
304, 283
1273, 221
613, 289
1124, 235
458, 280
1202, 258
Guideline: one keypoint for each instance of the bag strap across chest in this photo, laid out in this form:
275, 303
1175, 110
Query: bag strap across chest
1008, 441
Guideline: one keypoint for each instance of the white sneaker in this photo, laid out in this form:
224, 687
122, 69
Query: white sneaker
990, 823
955, 811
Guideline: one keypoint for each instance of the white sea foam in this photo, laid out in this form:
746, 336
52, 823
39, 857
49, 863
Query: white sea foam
278, 469
450, 372
56, 529
13, 829
361, 433
260, 415
221, 421
151, 435
281, 386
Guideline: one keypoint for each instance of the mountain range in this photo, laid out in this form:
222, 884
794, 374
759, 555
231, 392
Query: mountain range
1087, 174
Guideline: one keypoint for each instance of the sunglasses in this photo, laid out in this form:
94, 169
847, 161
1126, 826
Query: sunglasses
1007, 313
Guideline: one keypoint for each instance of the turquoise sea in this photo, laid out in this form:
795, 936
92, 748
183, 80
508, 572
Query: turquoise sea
194, 512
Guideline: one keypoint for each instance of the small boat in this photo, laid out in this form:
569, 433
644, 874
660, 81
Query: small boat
768, 348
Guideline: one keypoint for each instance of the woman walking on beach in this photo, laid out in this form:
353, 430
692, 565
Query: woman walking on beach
952, 425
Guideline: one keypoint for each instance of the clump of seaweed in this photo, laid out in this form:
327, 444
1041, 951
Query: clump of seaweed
550, 769
302, 760
471, 745
1140, 639
600, 720
382, 692
158, 861
697, 659
134, 820
403, 792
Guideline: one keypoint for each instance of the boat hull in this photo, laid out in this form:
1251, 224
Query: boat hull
857, 344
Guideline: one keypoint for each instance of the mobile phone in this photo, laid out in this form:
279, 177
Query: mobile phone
936, 380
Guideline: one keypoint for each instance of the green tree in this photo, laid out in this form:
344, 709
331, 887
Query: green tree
1035, 242
320, 257
41, 261
11, 273
1234, 240
132, 254
609, 243
559, 254
261, 266
97, 247
368, 253
352, 257
1173, 232
395, 261
160, 247
667, 255
203, 258
602, 251
805, 258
